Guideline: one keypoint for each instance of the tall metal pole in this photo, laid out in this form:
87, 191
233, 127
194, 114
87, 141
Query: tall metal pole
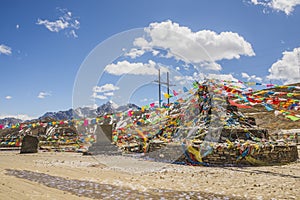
163, 83
159, 89
168, 87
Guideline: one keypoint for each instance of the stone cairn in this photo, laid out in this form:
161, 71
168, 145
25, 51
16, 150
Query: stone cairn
103, 144
214, 132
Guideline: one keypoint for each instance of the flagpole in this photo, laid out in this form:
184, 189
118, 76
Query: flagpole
159, 89
168, 87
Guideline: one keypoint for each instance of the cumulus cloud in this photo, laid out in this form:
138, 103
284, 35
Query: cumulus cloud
8, 97
251, 77
104, 90
184, 80
134, 52
225, 77
138, 68
204, 47
286, 6
210, 66
65, 22
287, 69
43, 95
5, 49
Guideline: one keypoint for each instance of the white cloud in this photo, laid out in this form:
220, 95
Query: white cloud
109, 94
180, 78
141, 42
259, 79
17, 26
184, 80
55, 26
252, 77
105, 88
245, 75
5, 49
72, 33
125, 67
286, 6
65, 22
8, 97
155, 52
287, 69
19, 116
225, 77
43, 95
133, 53
204, 47
210, 66
97, 96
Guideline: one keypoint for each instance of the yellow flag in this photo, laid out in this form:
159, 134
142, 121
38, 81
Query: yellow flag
166, 95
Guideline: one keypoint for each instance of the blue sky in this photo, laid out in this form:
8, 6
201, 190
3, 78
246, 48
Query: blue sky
45, 46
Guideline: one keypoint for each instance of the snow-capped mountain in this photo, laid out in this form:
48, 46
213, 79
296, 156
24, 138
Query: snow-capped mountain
85, 112
60, 115
90, 112
107, 108
126, 107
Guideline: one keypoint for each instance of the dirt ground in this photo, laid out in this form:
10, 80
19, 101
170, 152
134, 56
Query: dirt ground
57, 175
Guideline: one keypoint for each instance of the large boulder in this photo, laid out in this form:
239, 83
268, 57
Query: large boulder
29, 144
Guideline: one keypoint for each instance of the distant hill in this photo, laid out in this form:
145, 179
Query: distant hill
60, 115
10, 120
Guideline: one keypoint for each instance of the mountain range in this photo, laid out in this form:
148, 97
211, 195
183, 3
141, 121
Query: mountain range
81, 112
10, 120
84, 112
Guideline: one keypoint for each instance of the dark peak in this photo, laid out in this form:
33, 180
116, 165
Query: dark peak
10, 120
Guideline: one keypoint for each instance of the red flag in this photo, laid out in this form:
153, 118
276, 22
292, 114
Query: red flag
85, 122
175, 93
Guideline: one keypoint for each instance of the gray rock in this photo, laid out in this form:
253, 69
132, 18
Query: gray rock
103, 144
29, 144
